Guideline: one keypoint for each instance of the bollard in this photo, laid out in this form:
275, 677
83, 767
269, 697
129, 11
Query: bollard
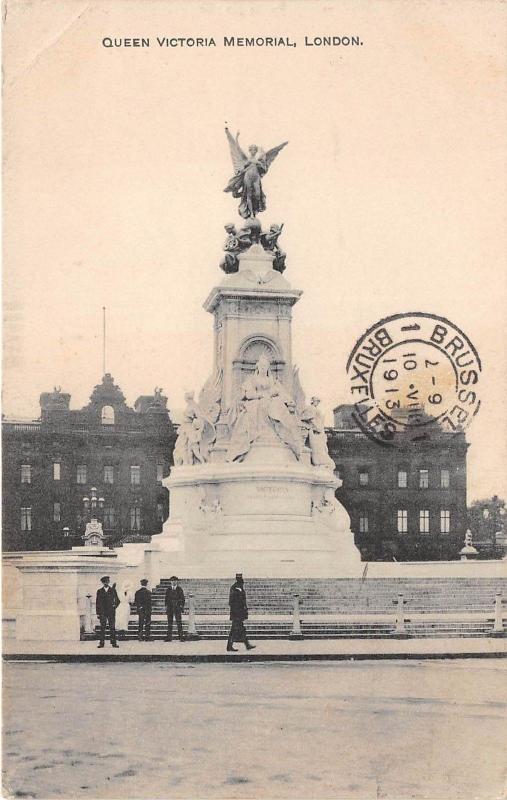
192, 630
296, 632
88, 623
498, 623
401, 629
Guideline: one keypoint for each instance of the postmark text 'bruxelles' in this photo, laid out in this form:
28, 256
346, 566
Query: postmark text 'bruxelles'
410, 371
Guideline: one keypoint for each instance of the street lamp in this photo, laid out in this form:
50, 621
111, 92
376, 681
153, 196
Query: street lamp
92, 503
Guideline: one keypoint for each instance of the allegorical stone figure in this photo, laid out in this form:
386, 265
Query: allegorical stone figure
248, 170
269, 242
263, 406
235, 243
313, 422
197, 431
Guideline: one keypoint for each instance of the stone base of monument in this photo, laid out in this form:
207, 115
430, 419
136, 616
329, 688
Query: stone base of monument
276, 521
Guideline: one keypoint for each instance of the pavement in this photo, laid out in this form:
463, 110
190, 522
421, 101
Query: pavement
206, 650
347, 730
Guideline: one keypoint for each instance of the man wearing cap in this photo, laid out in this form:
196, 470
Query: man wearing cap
238, 615
106, 604
142, 599
174, 605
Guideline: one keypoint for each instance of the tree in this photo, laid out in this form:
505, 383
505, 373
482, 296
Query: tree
487, 519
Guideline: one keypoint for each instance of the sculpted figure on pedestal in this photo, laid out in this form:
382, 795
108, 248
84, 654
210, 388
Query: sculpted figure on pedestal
197, 431
269, 242
262, 406
248, 171
313, 422
236, 242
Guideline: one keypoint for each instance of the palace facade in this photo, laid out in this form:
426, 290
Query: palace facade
406, 500
52, 467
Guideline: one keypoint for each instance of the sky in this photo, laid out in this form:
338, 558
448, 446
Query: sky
391, 190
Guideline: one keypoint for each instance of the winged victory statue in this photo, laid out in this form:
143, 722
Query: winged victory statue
248, 170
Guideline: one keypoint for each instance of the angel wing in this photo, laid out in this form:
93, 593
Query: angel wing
237, 154
272, 154
297, 392
210, 396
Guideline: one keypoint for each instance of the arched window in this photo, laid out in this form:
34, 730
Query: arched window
107, 415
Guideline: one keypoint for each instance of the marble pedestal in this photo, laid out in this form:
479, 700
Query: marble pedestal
270, 516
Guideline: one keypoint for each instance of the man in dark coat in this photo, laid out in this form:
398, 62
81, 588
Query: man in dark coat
174, 605
142, 599
106, 604
238, 615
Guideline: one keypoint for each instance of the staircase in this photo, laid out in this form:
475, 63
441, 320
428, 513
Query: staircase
341, 608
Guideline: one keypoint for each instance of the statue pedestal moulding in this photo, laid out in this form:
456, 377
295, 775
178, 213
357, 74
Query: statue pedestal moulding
253, 487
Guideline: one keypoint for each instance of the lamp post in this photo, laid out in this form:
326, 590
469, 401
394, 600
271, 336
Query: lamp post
93, 507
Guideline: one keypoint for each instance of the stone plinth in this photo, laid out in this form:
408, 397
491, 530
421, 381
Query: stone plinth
253, 312
53, 588
270, 515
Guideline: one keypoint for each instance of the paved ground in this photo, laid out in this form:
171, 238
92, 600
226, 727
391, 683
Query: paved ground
357, 730
266, 649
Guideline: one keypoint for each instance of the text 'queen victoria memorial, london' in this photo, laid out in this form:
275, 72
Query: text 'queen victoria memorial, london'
252, 487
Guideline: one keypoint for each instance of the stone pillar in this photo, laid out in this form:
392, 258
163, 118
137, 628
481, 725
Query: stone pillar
55, 588
88, 623
498, 623
401, 630
296, 632
192, 630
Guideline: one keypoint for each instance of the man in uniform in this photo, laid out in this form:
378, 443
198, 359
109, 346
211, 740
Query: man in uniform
239, 612
106, 604
174, 605
142, 599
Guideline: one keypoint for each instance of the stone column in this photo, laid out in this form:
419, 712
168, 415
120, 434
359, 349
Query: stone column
296, 632
192, 630
88, 622
498, 623
401, 630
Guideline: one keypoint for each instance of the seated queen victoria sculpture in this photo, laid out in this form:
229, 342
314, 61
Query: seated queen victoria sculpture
253, 485
263, 408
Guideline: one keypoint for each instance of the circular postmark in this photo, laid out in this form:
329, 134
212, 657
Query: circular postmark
410, 372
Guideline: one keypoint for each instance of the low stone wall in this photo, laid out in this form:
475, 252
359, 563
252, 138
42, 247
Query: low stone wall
50, 595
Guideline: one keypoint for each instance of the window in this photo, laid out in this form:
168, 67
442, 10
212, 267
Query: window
363, 522
402, 520
57, 470
402, 479
160, 512
160, 473
444, 479
56, 512
81, 473
424, 521
107, 416
445, 521
135, 474
423, 478
26, 473
108, 474
364, 478
109, 518
135, 518
26, 519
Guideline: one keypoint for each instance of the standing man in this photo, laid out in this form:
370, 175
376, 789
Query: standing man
174, 605
142, 600
239, 613
106, 603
